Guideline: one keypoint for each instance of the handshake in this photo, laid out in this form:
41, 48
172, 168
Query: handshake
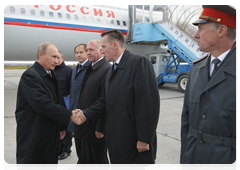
78, 117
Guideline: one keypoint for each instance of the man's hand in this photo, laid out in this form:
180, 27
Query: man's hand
62, 134
99, 134
142, 146
78, 117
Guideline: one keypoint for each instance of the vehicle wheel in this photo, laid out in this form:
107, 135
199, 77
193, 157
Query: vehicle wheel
182, 83
161, 84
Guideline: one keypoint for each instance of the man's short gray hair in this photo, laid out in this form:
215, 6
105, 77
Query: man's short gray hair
99, 43
231, 31
43, 48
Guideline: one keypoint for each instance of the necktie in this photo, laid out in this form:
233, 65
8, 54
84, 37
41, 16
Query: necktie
50, 74
79, 67
215, 62
115, 66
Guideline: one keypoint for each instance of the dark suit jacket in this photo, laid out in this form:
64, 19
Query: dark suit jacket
131, 102
75, 89
92, 88
38, 117
210, 107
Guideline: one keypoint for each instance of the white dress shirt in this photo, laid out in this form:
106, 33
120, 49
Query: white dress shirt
221, 58
119, 59
97, 61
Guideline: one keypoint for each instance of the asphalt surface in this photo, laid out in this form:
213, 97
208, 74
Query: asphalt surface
168, 130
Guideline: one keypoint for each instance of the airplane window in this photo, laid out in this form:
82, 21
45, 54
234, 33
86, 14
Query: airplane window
42, 13
124, 23
75, 17
51, 14
12, 9
112, 22
59, 15
32, 12
68, 16
22, 10
98, 20
118, 22
83, 18
104, 21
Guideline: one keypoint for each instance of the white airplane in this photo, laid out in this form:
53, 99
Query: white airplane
27, 26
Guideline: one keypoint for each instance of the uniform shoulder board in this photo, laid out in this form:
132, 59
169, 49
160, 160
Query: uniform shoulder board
200, 59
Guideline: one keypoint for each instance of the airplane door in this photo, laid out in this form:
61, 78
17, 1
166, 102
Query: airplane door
159, 62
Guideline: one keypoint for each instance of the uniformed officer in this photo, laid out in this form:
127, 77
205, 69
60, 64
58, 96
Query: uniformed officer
208, 123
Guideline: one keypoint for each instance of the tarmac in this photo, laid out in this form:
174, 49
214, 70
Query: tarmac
168, 130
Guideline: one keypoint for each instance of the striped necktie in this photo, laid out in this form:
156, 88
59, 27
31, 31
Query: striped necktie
115, 66
50, 74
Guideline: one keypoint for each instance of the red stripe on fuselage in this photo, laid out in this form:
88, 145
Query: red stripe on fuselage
55, 27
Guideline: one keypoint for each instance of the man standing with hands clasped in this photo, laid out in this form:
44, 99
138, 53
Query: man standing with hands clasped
38, 113
78, 74
92, 135
130, 104
64, 74
208, 129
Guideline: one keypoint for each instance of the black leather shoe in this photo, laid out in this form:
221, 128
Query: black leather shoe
77, 167
64, 155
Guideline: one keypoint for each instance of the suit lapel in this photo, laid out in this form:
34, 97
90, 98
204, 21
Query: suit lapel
217, 78
227, 66
74, 72
81, 69
121, 65
111, 72
204, 71
50, 82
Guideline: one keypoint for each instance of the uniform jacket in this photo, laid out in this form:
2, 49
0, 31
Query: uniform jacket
91, 91
76, 84
131, 103
38, 117
210, 110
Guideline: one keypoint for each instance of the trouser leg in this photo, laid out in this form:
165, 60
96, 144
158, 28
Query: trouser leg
80, 149
96, 153
67, 142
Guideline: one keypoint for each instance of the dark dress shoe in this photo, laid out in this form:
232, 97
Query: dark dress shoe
64, 155
77, 167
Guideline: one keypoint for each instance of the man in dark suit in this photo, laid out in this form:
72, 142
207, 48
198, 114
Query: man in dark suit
208, 128
92, 89
130, 104
75, 89
38, 113
64, 74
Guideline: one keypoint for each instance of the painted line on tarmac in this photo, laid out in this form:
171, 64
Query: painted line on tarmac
9, 117
172, 98
165, 134
12, 83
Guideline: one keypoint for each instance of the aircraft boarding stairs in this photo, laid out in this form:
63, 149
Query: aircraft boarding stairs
172, 25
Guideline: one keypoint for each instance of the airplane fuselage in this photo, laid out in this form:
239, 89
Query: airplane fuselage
25, 27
